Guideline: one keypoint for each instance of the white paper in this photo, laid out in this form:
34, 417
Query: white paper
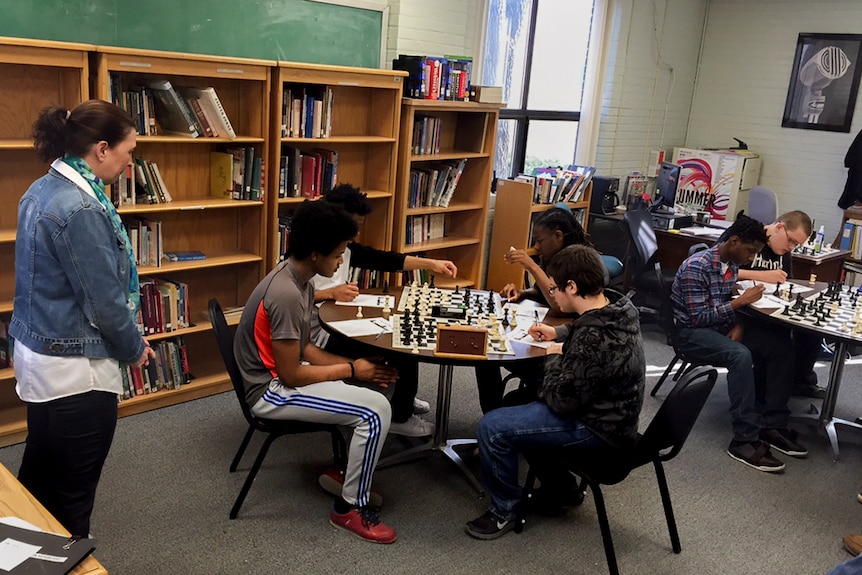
527, 310
702, 231
362, 327
519, 334
13, 553
770, 288
370, 300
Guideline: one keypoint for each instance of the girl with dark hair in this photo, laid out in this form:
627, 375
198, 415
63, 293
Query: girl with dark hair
75, 307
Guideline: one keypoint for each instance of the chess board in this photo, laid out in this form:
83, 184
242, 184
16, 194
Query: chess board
837, 310
478, 302
421, 333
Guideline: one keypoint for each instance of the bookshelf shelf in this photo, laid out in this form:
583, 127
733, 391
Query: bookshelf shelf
467, 132
363, 118
191, 204
198, 141
36, 74
442, 244
212, 261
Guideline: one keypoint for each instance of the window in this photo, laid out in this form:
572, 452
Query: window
537, 51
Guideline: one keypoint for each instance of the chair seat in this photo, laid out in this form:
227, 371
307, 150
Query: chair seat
613, 265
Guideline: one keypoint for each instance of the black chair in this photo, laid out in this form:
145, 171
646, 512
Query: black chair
689, 362
642, 260
273, 428
662, 441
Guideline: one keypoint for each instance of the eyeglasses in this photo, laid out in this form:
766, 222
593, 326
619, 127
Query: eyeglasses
553, 289
790, 241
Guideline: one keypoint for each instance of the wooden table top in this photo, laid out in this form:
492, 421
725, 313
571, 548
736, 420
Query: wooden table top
16, 501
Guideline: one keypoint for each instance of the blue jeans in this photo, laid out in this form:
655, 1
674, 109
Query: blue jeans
717, 349
507, 431
849, 567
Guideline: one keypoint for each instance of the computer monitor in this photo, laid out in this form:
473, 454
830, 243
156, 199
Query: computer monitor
666, 183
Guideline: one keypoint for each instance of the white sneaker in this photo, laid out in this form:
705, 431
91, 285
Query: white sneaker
420, 406
413, 427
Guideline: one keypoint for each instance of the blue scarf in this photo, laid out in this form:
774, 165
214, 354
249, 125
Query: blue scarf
79, 165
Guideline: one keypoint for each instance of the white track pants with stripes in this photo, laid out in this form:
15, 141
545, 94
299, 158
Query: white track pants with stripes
365, 410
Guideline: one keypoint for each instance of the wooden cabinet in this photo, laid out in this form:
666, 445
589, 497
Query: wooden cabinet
364, 121
514, 212
34, 74
464, 131
232, 233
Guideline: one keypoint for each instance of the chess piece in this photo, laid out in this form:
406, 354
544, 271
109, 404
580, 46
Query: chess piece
432, 282
386, 309
777, 292
812, 279
359, 312
505, 322
385, 287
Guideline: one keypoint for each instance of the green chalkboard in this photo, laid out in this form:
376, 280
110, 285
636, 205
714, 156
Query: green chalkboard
295, 30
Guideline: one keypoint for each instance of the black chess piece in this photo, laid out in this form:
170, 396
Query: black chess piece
385, 287
505, 322
467, 293
786, 310
457, 288
777, 292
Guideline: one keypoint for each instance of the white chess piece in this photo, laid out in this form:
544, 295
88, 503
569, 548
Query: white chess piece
359, 312
386, 308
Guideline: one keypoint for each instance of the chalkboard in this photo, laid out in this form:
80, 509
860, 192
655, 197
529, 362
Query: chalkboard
294, 30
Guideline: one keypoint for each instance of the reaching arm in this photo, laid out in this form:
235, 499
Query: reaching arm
441, 267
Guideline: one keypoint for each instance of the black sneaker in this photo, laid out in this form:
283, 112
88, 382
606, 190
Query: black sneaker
553, 501
784, 440
755, 454
489, 526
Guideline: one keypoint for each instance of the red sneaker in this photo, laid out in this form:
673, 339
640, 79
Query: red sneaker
363, 522
332, 480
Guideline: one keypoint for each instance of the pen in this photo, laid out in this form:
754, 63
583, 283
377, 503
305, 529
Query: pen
536, 312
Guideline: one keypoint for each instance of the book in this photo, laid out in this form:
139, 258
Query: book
212, 108
172, 111
28, 550
221, 175
184, 256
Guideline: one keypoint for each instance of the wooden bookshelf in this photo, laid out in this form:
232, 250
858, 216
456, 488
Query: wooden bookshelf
35, 74
364, 132
232, 233
468, 131
514, 212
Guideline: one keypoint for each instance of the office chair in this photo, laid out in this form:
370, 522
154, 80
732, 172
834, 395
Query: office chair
672, 331
642, 261
762, 204
662, 441
273, 428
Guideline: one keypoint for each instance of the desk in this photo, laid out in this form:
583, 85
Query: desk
673, 250
16, 501
842, 340
440, 441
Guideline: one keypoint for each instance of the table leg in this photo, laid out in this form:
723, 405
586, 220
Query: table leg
440, 441
826, 417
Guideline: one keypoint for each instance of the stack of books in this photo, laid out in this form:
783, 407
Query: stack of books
552, 185
436, 77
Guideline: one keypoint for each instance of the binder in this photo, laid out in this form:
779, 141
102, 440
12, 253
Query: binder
51, 554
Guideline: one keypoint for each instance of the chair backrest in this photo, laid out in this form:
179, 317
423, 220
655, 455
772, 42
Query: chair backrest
224, 338
762, 204
666, 304
672, 423
641, 233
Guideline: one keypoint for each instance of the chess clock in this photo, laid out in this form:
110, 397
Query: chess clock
461, 341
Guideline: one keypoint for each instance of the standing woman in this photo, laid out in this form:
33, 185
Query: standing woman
75, 308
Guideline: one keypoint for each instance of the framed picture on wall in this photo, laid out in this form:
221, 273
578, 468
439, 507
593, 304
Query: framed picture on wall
824, 82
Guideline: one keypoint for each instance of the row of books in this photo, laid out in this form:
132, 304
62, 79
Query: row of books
851, 238
306, 111
161, 108
852, 274
146, 239
367, 279
237, 173
436, 78
425, 228
552, 185
168, 370
420, 276
426, 135
140, 183
164, 306
283, 235
434, 185
307, 174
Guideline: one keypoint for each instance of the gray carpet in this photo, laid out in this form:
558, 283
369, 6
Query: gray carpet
163, 503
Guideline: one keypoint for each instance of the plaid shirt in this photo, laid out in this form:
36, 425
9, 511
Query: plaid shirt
701, 293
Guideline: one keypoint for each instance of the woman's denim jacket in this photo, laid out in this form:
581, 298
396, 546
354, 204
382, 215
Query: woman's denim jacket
71, 276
